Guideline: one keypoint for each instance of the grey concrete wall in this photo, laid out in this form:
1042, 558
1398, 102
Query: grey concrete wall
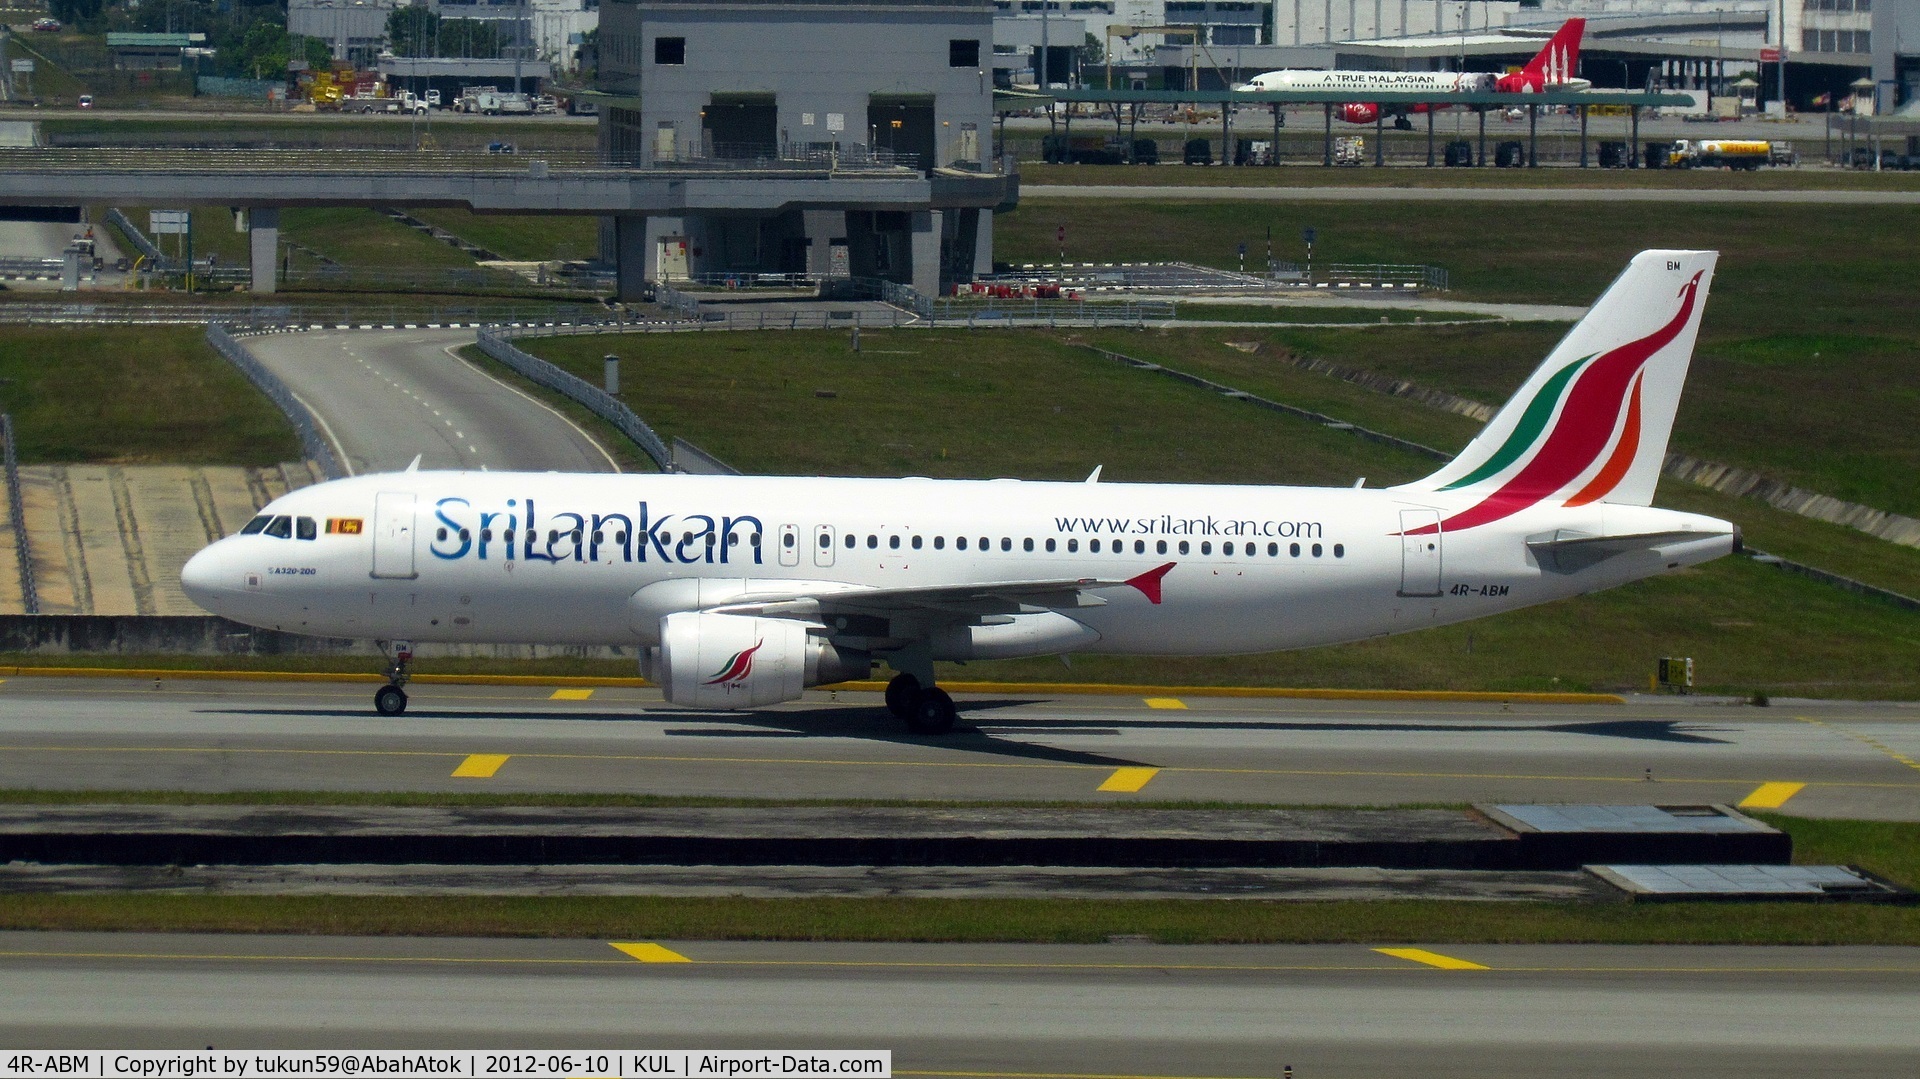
817, 61
206, 635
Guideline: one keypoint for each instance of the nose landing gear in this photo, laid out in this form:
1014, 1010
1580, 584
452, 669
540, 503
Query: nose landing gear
391, 699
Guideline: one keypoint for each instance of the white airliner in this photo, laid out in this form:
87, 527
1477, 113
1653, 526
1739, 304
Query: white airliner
1552, 68
741, 591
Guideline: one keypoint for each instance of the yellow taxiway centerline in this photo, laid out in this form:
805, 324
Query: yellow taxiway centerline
648, 952
571, 695
1771, 795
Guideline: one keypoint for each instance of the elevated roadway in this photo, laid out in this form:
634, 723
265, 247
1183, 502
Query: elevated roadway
385, 395
1835, 760
1113, 1010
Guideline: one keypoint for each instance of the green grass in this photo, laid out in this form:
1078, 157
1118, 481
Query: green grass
1303, 174
1207, 353
355, 237
1029, 405
953, 404
1888, 849
134, 395
1301, 314
527, 238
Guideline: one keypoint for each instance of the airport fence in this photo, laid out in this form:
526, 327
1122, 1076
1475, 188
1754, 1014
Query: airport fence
305, 423
497, 344
17, 517
313, 316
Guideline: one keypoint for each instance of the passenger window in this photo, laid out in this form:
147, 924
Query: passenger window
1006, 543
1183, 546
1093, 546
873, 541
1073, 546
939, 543
618, 537
1316, 550
1140, 547
466, 536
305, 528
787, 540
255, 525
960, 544
1206, 547
509, 536
1160, 547
1050, 546
916, 543
281, 528
1339, 550
852, 541
597, 537
1226, 548
893, 543
1273, 550
756, 539
825, 541
1026, 544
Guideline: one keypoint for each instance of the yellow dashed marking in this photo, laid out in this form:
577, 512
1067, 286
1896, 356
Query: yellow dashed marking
1873, 743
1127, 780
1771, 795
648, 952
480, 766
571, 695
1165, 702
1432, 959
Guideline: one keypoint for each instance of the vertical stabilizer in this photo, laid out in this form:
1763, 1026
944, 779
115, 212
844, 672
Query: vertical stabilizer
1591, 423
1554, 67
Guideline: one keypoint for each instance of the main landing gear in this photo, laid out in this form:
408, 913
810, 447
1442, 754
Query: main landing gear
926, 711
391, 699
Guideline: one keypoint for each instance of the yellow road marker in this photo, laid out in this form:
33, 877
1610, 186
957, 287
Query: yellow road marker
571, 695
1771, 795
1127, 780
648, 952
1432, 959
480, 766
1165, 702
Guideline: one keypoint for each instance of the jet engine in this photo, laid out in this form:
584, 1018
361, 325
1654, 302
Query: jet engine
1359, 112
735, 661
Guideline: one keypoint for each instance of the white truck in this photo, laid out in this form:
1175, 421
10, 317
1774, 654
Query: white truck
1748, 154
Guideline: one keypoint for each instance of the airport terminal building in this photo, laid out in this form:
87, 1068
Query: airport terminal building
755, 86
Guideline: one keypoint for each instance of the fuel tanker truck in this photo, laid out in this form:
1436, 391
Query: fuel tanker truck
1719, 153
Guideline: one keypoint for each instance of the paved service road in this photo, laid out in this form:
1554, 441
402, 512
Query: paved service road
1040, 192
386, 395
1110, 1010
1854, 760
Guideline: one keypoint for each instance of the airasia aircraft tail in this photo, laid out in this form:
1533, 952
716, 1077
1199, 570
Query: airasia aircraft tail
1553, 67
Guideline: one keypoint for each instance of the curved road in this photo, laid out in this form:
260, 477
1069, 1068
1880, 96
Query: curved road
386, 395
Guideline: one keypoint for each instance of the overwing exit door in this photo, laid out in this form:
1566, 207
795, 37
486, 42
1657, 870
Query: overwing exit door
1419, 552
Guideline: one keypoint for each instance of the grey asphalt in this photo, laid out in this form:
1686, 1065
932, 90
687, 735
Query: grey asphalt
1120, 1009
386, 395
1856, 760
1043, 192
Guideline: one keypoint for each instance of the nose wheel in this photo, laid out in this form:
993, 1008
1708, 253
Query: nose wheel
391, 699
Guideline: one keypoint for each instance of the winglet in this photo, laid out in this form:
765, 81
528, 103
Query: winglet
1094, 476
1149, 582
414, 465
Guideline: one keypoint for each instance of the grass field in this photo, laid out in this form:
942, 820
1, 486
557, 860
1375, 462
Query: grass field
1883, 848
520, 237
357, 238
1207, 353
1026, 405
134, 395
1807, 352
1038, 174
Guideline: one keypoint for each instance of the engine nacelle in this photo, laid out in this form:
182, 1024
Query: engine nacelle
1359, 112
735, 661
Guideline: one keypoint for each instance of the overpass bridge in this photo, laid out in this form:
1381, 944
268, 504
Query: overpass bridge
265, 181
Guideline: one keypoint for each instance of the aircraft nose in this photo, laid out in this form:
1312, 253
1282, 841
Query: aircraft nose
201, 578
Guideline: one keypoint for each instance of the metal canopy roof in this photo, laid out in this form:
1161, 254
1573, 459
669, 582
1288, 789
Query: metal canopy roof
1385, 97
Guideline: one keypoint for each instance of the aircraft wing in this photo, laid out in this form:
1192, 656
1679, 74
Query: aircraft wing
950, 601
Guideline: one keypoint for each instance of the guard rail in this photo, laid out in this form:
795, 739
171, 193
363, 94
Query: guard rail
305, 424
17, 518
498, 345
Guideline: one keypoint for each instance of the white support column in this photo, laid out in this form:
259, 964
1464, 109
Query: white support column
632, 255
925, 231
263, 247
983, 245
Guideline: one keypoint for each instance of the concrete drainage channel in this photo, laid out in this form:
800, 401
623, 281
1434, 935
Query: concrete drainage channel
1539, 852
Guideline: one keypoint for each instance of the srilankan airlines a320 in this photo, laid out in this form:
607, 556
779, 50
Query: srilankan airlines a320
742, 591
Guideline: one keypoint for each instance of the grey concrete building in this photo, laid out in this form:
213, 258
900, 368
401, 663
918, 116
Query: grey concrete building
727, 84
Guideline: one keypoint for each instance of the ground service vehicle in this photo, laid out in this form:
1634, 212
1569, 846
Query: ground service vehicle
741, 591
1746, 154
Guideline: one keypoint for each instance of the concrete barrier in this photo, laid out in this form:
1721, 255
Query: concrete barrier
208, 635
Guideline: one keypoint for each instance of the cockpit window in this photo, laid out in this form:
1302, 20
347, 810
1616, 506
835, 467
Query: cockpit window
306, 528
281, 527
255, 525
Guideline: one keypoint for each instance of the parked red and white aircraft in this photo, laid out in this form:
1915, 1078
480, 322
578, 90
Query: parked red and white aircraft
741, 591
1551, 69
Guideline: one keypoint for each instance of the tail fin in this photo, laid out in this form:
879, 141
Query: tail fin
1591, 424
1555, 64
